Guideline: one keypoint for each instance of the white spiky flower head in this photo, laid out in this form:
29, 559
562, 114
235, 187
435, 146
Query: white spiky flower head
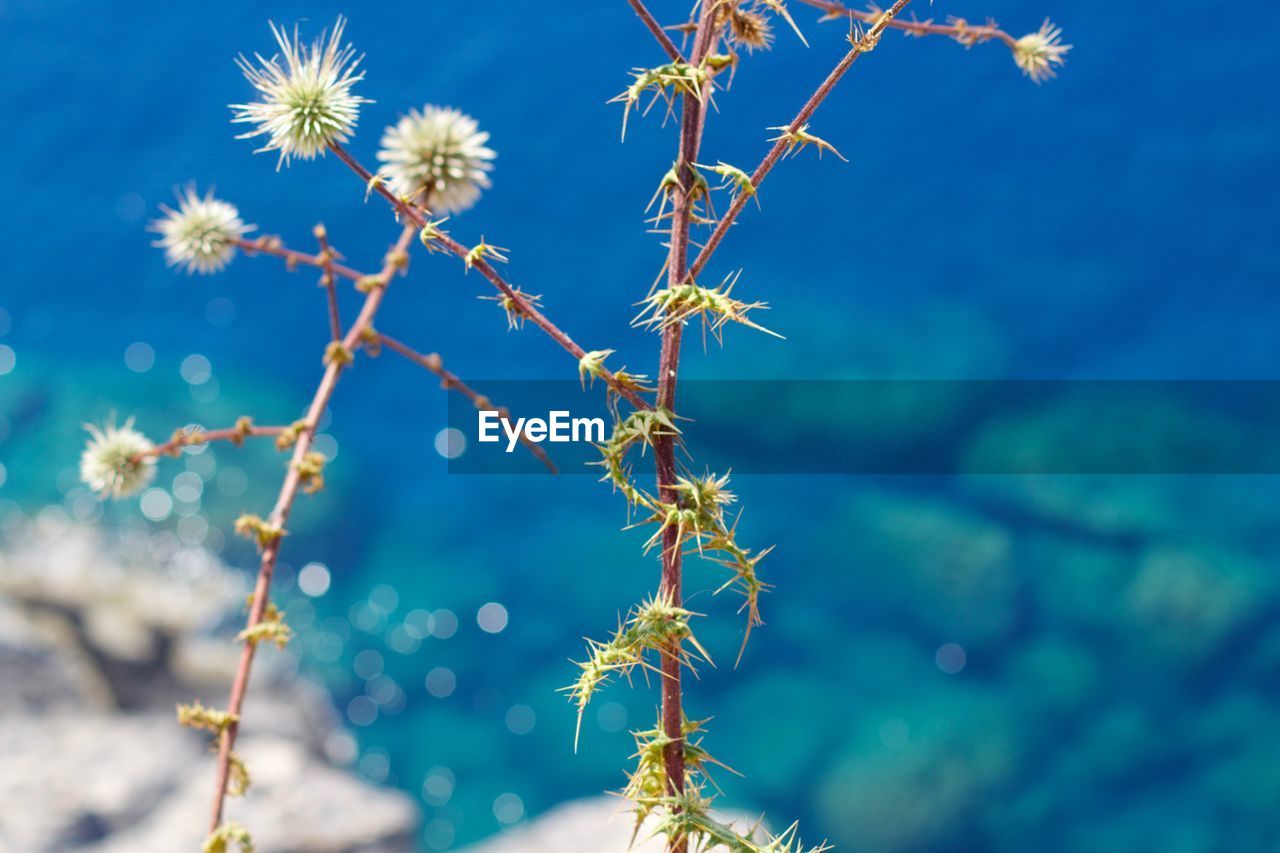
117, 461
1036, 53
437, 156
305, 100
201, 234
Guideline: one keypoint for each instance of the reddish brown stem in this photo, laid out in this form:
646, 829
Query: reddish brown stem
452, 382
658, 32
235, 434
780, 147
328, 282
693, 115
272, 246
419, 218
284, 504
958, 29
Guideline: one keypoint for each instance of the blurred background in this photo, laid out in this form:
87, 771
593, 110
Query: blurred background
995, 664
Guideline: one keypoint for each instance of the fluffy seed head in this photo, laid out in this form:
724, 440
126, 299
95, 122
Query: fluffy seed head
1036, 53
113, 464
305, 99
437, 156
200, 236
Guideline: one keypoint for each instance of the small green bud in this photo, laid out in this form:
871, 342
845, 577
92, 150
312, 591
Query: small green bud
311, 471
482, 251
223, 837
289, 437
238, 780
430, 235
337, 353
197, 716
592, 364
270, 627
800, 137
254, 527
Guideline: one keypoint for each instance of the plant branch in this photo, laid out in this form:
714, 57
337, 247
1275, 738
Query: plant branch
452, 382
268, 245
958, 28
284, 504
234, 434
692, 119
780, 147
658, 32
327, 281
525, 308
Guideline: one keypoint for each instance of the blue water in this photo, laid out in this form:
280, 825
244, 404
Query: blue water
1119, 221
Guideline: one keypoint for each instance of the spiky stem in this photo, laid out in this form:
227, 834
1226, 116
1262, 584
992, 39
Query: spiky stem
693, 115
958, 29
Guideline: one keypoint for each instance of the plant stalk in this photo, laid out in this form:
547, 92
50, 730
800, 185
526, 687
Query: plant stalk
693, 114
280, 516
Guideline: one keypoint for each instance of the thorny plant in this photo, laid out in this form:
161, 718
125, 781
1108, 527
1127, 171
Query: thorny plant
434, 163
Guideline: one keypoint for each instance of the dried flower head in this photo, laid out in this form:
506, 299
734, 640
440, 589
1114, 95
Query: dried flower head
1036, 53
200, 236
305, 101
117, 461
749, 28
437, 155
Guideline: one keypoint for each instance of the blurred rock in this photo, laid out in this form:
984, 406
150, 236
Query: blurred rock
946, 569
600, 825
97, 642
1077, 585
1188, 602
916, 777
1056, 679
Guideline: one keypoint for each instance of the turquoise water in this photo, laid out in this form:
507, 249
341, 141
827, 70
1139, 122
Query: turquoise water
1119, 671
